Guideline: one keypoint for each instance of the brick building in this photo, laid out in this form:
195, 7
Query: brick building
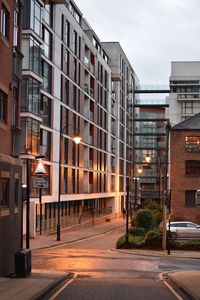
10, 164
185, 169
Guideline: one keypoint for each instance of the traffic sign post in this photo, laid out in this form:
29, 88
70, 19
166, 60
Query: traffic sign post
40, 181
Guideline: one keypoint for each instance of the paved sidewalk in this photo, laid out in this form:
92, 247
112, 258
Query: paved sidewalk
36, 285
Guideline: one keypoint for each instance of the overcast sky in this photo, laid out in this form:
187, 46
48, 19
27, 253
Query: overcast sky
152, 33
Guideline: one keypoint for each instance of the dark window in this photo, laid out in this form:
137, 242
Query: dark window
73, 180
190, 199
192, 143
30, 96
67, 33
65, 180
35, 56
15, 107
5, 22
46, 73
16, 191
192, 167
4, 191
3, 107
47, 38
74, 42
46, 110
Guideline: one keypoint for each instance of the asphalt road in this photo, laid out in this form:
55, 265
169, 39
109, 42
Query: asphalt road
101, 273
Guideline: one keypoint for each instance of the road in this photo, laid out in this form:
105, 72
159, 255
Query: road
101, 272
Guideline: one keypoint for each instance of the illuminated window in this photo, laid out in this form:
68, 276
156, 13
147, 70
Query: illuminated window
192, 143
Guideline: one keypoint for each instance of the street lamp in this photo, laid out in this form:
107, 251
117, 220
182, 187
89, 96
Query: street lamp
165, 187
77, 140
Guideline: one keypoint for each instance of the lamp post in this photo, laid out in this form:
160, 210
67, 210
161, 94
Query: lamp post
165, 188
77, 140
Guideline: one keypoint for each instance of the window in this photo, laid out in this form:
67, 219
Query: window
192, 143
35, 17
45, 143
47, 73
65, 183
15, 107
74, 13
30, 99
67, 33
47, 38
5, 22
4, 192
3, 107
35, 56
30, 134
16, 191
74, 42
192, 167
16, 24
47, 13
46, 110
190, 198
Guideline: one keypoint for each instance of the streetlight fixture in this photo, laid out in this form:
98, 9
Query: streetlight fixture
77, 140
147, 158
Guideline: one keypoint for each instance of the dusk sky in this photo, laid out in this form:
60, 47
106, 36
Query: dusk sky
151, 33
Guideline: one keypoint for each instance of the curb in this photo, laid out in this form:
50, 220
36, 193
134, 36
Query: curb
79, 239
178, 285
154, 254
46, 291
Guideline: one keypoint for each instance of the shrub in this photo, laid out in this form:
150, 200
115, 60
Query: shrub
133, 242
136, 231
153, 240
144, 218
157, 212
133, 221
192, 245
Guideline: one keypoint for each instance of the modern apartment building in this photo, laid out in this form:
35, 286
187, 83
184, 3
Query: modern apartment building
69, 86
10, 164
185, 90
123, 83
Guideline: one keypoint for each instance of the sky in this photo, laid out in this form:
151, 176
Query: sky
152, 33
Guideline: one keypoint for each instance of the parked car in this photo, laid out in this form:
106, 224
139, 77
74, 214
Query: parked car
184, 229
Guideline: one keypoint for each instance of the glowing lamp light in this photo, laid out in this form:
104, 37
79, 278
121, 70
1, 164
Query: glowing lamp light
77, 139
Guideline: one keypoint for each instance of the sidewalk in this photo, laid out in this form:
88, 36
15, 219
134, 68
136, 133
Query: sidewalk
36, 285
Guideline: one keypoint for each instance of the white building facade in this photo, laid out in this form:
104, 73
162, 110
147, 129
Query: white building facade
68, 88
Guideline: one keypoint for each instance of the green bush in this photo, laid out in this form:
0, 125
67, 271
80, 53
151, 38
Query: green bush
155, 206
157, 212
192, 245
133, 221
133, 242
145, 219
136, 231
153, 240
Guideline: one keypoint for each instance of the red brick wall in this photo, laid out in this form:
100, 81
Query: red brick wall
179, 183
